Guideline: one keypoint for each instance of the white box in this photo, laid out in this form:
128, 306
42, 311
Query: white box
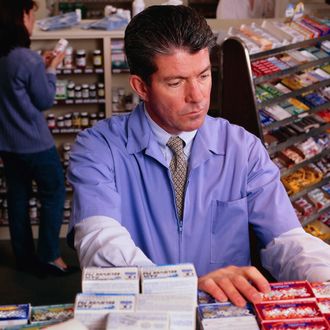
180, 307
92, 309
137, 321
176, 279
121, 280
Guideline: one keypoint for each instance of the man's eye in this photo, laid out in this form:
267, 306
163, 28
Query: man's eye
204, 75
174, 83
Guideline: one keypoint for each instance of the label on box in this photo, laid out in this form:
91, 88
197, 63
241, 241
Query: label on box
288, 291
297, 309
321, 289
309, 324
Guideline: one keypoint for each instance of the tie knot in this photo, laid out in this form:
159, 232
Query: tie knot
176, 144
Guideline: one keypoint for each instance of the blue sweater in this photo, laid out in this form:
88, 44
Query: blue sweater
26, 89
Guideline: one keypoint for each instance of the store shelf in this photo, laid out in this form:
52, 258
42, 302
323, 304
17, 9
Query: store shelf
285, 172
303, 192
280, 50
315, 215
66, 71
298, 138
79, 101
294, 93
285, 121
289, 71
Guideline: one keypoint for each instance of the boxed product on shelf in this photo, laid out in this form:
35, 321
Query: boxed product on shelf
226, 316
180, 279
293, 310
288, 291
261, 41
119, 280
277, 112
180, 307
203, 298
318, 229
92, 309
324, 304
51, 313
321, 289
307, 324
137, 321
11, 315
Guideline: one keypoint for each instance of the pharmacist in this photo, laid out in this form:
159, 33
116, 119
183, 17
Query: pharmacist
129, 206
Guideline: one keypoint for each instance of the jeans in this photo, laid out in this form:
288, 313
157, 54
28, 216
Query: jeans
46, 169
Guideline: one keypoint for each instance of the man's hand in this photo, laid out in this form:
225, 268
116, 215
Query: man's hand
238, 284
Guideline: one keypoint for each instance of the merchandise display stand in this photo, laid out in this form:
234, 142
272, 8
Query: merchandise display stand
239, 104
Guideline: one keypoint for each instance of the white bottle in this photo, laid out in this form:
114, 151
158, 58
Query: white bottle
60, 46
137, 6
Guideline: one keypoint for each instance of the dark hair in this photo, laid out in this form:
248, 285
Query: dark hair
13, 32
160, 30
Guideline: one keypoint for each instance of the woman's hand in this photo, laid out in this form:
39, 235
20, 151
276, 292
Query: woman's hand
52, 60
237, 284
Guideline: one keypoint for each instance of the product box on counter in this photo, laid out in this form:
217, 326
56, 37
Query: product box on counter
321, 289
307, 324
289, 310
92, 309
179, 278
226, 316
51, 313
137, 321
121, 280
289, 291
180, 307
11, 315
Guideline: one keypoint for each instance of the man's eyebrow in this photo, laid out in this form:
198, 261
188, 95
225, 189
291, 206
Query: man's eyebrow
183, 77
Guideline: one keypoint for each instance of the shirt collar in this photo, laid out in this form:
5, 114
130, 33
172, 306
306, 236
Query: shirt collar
162, 136
210, 134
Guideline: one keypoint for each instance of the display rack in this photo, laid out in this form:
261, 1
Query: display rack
239, 105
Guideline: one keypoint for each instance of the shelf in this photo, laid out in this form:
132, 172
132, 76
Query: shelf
65, 130
65, 71
304, 114
120, 70
289, 71
79, 101
285, 172
314, 216
309, 188
279, 50
300, 91
298, 138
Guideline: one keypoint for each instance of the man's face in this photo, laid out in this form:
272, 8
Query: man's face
178, 96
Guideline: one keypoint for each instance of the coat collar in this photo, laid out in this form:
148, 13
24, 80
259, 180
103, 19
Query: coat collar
208, 140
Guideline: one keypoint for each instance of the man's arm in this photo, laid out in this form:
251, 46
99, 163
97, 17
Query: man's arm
101, 241
99, 237
297, 255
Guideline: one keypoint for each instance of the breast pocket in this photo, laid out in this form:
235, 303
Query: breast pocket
229, 233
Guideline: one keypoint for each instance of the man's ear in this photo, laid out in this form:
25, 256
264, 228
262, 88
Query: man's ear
139, 86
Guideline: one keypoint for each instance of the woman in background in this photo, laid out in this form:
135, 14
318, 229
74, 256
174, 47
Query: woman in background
27, 87
241, 9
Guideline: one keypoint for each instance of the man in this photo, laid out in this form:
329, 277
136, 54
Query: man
128, 206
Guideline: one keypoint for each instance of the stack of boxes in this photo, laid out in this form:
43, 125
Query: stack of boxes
112, 298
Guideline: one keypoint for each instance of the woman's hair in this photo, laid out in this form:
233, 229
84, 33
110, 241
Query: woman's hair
13, 32
161, 30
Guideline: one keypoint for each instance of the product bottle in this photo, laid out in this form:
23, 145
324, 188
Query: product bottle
137, 6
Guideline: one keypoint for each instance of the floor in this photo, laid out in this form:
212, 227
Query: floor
19, 287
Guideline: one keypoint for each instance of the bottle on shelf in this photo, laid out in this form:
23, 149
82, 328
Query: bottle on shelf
137, 7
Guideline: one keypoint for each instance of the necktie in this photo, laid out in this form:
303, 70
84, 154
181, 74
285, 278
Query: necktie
178, 168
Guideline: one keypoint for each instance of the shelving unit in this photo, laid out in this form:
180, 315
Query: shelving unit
238, 104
